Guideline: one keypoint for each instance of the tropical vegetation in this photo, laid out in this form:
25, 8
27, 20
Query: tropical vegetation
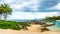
12, 25
52, 18
5, 10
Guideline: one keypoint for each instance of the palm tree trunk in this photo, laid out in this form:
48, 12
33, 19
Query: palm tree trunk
0, 16
5, 16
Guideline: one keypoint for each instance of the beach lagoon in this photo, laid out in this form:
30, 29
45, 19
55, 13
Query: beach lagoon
56, 27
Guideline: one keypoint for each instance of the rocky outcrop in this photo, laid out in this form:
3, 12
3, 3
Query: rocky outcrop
42, 22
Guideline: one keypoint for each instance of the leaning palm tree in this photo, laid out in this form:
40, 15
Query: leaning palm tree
0, 12
5, 10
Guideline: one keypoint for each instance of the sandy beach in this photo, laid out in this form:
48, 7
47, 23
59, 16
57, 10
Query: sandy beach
32, 30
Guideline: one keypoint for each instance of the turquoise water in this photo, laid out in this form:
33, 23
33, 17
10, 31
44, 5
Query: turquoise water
56, 27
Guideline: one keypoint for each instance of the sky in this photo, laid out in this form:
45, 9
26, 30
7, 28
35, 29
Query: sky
31, 9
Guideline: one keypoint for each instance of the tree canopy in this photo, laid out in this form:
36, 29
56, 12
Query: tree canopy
5, 10
52, 18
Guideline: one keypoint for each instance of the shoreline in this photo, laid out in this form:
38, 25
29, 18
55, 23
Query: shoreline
34, 29
8, 31
58, 20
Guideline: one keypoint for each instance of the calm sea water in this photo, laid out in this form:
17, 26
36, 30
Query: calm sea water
56, 27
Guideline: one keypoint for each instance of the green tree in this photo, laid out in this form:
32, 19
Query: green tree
5, 10
50, 18
0, 11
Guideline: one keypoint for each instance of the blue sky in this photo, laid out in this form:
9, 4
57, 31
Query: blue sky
30, 9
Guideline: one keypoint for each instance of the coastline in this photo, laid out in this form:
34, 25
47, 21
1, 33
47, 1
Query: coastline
32, 30
58, 20
8, 31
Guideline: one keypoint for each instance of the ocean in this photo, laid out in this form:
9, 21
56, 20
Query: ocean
56, 27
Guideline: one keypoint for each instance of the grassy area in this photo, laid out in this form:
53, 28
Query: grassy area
11, 25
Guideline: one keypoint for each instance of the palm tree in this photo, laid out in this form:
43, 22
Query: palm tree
5, 10
1, 11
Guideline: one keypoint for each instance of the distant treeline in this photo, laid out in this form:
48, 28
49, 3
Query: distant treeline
52, 18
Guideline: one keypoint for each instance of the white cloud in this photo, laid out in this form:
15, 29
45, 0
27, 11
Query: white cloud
44, 14
21, 15
29, 15
9, 1
19, 4
56, 7
1, 3
33, 4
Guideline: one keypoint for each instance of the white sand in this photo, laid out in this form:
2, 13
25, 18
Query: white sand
34, 29
58, 20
